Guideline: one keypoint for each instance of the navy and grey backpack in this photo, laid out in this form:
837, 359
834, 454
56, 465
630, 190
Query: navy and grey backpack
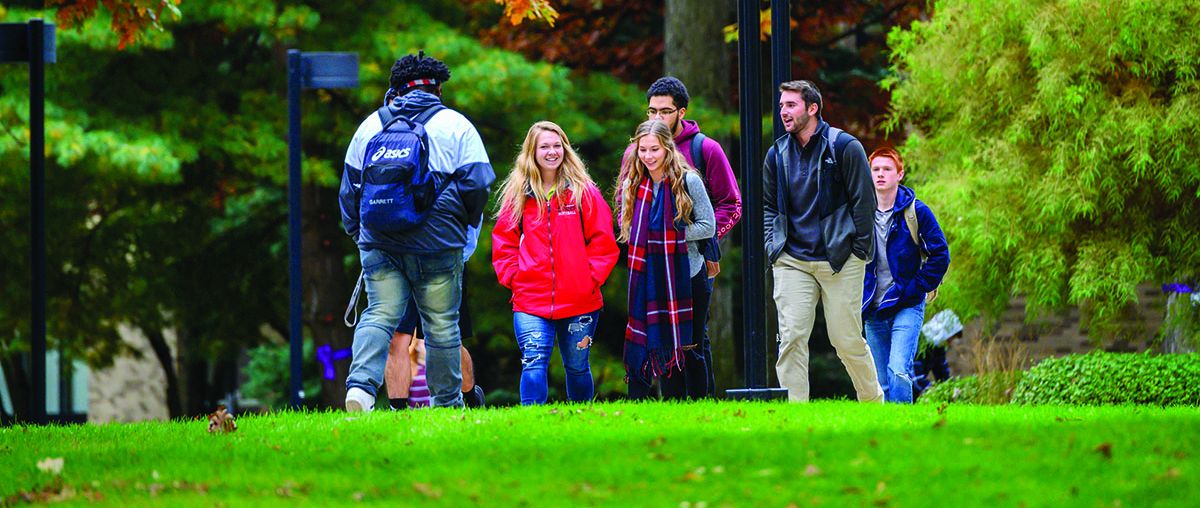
398, 189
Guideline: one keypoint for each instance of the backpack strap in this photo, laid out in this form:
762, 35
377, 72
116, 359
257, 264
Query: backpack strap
387, 117
838, 139
697, 146
424, 116
910, 219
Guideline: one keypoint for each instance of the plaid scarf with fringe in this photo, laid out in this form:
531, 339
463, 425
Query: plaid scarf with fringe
660, 286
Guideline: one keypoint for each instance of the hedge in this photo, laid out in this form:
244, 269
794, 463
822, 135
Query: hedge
1099, 378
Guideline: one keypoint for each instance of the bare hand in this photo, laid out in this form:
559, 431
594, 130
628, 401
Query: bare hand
714, 268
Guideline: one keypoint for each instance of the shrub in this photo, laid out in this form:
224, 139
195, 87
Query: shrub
956, 389
1113, 378
268, 375
991, 388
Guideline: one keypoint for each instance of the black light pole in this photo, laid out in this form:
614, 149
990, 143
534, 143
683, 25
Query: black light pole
753, 257
34, 43
781, 54
305, 70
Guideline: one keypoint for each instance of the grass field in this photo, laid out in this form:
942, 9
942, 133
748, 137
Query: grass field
706, 454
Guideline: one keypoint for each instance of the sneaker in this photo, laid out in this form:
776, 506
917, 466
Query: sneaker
359, 401
474, 398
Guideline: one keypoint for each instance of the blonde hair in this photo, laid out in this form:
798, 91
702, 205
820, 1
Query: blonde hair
525, 178
635, 171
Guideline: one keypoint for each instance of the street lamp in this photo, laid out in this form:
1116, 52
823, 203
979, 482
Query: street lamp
305, 71
34, 43
754, 318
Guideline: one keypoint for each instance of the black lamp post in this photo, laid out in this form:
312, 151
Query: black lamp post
305, 70
754, 317
34, 43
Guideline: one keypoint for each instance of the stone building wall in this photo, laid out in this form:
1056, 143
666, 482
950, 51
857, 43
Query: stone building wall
134, 388
1062, 334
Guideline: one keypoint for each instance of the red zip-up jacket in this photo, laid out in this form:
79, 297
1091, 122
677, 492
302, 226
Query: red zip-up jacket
555, 271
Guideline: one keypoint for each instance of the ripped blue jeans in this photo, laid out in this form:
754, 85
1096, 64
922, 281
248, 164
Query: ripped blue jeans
893, 343
536, 337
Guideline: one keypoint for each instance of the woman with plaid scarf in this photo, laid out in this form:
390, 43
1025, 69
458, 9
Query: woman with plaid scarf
664, 214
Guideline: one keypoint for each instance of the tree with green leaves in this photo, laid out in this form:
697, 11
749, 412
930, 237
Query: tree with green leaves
166, 170
1057, 140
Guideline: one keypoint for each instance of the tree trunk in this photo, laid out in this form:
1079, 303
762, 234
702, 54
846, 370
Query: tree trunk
162, 351
696, 53
695, 49
723, 325
19, 390
326, 286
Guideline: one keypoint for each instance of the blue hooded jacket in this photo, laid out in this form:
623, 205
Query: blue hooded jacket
910, 278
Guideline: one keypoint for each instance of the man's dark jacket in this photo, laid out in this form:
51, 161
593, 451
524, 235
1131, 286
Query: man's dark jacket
844, 190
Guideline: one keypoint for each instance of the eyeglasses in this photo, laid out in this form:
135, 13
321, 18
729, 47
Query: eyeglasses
651, 112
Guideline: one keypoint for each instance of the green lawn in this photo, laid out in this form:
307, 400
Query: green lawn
703, 454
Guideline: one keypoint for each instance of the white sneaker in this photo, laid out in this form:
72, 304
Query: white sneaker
359, 401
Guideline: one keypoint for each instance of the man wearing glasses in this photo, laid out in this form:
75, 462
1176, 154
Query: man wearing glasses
667, 101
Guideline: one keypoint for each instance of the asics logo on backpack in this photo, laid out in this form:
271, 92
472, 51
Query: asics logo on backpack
384, 153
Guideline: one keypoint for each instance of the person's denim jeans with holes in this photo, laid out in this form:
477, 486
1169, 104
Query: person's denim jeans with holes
435, 281
536, 337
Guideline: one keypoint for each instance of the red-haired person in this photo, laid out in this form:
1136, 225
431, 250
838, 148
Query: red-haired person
901, 274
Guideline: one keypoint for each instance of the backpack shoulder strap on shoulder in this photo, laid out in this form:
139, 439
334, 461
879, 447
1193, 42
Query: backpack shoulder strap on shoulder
385, 115
838, 139
424, 116
910, 219
697, 146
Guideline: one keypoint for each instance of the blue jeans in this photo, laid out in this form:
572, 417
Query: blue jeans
893, 343
435, 282
535, 337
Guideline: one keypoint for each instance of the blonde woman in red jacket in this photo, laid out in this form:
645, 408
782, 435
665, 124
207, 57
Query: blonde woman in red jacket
553, 246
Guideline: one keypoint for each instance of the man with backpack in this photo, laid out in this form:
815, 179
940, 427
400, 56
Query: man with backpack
818, 221
416, 176
911, 257
667, 101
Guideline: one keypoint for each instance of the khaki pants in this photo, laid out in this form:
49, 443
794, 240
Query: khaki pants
799, 285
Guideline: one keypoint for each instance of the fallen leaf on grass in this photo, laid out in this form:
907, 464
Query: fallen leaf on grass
221, 421
942, 408
1104, 449
940, 423
427, 490
51, 465
811, 470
